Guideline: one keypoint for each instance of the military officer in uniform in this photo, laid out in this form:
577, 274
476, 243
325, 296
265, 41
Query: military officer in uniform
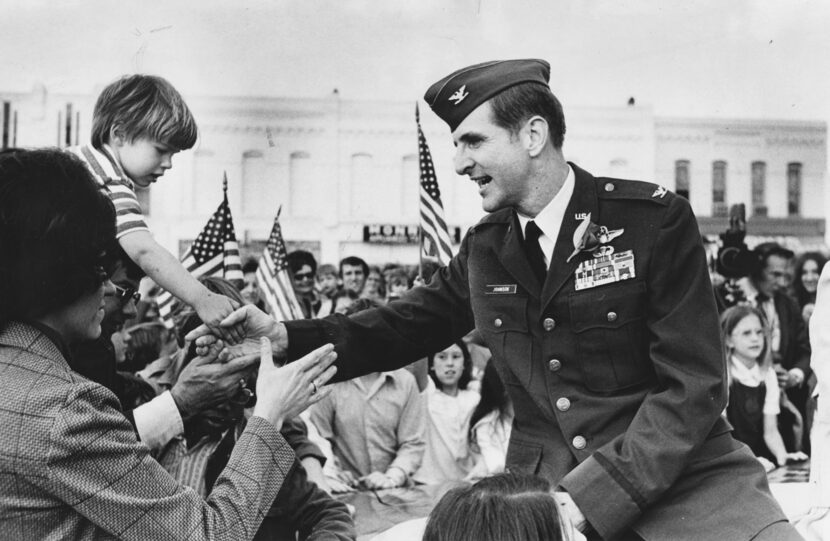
594, 298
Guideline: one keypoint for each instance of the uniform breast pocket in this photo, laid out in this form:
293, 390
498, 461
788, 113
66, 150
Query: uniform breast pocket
502, 322
609, 324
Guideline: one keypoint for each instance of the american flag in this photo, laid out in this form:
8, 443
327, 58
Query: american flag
215, 252
274, 281
435, 238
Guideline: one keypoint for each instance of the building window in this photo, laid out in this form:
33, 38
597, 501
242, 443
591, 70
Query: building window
411, 186
719, 189
258, 194
759, 188
793, 189
300, 179
681, 178
363, 200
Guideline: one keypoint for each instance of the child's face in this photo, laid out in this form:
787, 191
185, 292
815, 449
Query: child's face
448, 366
327, 284
143, 159
747, 338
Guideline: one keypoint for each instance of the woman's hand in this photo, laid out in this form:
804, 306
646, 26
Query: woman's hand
286, 391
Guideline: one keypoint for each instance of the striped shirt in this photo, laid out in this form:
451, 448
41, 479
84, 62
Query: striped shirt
116, 185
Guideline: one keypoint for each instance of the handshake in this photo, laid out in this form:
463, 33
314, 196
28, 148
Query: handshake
283, 392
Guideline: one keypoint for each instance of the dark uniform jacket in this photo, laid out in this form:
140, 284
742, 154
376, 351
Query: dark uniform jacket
618, 389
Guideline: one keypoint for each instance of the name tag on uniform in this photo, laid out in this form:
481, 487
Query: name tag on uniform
606, 269
500, 289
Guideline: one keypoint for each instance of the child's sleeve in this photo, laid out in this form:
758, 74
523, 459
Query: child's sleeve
128, 215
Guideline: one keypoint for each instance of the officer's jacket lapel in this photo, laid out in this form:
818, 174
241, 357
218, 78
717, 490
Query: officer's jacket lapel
513, 257
583, 200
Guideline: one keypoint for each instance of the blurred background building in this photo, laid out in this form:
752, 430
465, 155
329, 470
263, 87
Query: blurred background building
345, 172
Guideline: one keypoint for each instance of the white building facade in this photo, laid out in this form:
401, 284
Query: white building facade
345, 172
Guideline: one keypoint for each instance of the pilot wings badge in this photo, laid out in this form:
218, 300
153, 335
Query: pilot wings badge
459, 95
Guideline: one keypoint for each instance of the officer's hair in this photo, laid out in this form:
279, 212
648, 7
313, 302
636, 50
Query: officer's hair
143, 106
514, 106
504, 507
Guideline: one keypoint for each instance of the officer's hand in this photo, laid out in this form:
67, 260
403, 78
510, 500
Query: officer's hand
253, 324
569, 511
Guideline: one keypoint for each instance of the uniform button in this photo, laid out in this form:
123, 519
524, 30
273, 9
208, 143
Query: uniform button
563, 404
549, 324
612, 316
554, 365
497, 322
579, 442
609, 187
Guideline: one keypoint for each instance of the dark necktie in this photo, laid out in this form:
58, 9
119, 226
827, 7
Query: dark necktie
534, 252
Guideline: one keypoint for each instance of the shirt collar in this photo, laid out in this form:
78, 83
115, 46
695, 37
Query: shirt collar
105, 156
550, 218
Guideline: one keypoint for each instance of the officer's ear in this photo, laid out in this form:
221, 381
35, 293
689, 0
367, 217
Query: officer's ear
536, 130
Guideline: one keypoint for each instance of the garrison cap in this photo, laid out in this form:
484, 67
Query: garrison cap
459, 93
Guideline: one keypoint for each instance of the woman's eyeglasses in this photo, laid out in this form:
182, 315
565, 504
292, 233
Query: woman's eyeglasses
123, 294
300, 276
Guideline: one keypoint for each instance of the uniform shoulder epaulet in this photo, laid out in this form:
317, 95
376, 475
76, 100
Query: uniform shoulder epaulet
501, 216
616, 188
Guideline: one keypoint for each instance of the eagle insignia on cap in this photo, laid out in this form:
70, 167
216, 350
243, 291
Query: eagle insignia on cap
459, 95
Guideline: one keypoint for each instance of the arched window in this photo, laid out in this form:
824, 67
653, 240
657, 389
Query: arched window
300, 179
681, 178
793, 189
719, 189
759, 188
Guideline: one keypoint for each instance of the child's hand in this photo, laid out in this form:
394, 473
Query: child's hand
212, 309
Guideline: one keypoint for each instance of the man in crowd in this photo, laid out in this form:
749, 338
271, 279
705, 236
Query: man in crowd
594, 298
353, 273
157, 419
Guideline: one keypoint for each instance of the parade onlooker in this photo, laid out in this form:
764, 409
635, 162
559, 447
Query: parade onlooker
201, 452
805, 281
375, 424
302, 267
375, 286
765, 288
754, 396
449, 406
72, 466
327, 284
342, 300
504, 507
490, 423
250, 289
353, 273
397, 283
139, 123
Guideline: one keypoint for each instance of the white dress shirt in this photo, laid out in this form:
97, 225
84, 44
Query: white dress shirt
549, 220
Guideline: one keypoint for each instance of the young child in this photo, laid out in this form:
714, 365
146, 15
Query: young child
449, 406
138, 124
754, 396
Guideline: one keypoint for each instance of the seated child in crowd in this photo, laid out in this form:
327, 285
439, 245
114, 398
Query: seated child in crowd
491, 424
449, 407
138, 124
754, 395
375, 424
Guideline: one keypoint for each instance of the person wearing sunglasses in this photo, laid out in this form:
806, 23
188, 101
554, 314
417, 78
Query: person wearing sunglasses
302, 268
71, 464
